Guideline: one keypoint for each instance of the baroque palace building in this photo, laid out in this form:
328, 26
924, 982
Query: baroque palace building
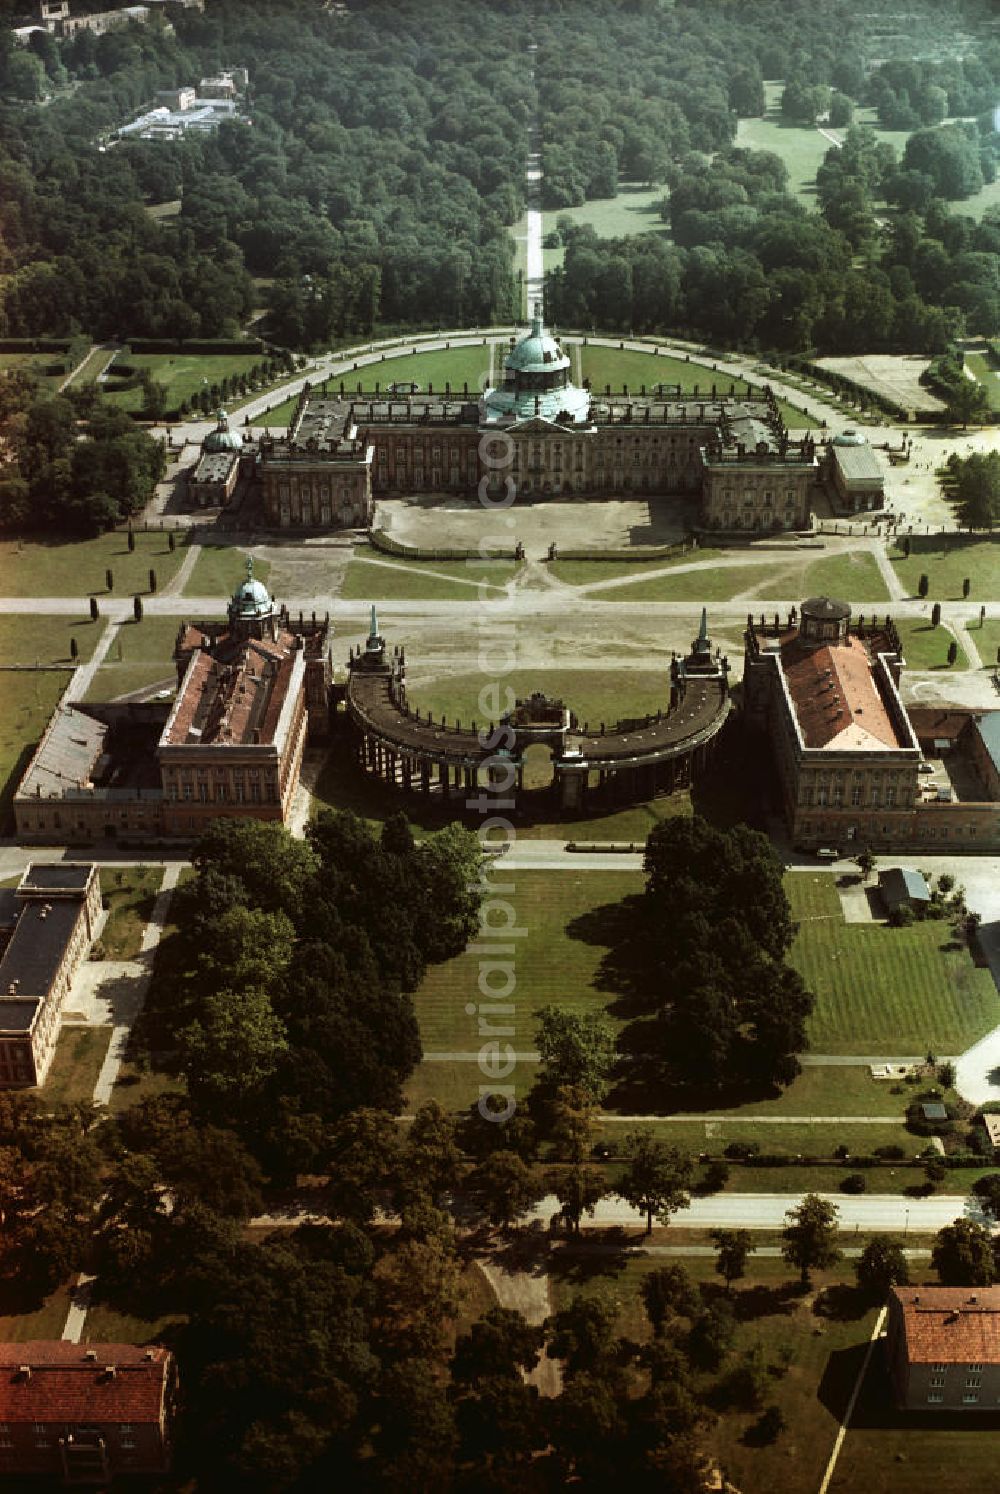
550, 437
251, 692
851, 759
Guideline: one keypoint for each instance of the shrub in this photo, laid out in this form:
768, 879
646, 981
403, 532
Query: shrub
740, 1151
842, 1152
891, 1153
855, 1182
716, 1177
770, 1424
902, 916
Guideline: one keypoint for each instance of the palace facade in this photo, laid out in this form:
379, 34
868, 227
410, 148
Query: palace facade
251, 693
547, 436
851, 761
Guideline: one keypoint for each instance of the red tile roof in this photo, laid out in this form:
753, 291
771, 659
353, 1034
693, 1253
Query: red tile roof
951, 1325
837, 701
65, 1385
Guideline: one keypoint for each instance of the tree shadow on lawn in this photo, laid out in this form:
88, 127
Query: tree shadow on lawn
626, 975
581, 1261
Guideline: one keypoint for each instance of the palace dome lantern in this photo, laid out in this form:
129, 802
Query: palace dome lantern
222, 438
536, 382
824, 620
251, 609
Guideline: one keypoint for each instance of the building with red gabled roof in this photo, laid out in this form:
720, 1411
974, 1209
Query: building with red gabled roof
85, 1412
943, 1348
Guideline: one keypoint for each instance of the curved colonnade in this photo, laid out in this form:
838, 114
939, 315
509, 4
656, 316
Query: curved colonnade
629, 762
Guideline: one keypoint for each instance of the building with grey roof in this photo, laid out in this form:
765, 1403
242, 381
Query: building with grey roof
900, 886
853, 470
46, 929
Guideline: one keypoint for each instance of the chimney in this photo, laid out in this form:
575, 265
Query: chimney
91, 1354
24, 1371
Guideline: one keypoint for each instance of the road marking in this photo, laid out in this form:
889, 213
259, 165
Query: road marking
842, 1433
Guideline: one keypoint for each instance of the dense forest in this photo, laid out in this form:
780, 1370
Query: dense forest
380, 171
888, 261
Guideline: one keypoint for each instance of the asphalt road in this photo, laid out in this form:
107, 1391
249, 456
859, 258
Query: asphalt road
870, 1211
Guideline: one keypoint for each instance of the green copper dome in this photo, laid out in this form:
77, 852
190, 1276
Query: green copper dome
536, 353
222, 438
251, 599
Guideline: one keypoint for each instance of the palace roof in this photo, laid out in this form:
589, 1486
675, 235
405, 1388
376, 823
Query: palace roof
837, 702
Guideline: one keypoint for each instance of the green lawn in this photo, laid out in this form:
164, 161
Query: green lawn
105, 1325
802, 149
947, 560
280, 416
219, 570
813, 895
986, 374
47, 1321
146, 642
37, 638
987, 641
453, 366
594, 694
856, 578
886, 1451
551, 964
80, 1052
116, 681
38, 364
77, 568
925, 647
586, 572
129, 894
633, 209
821, 1351
183, 374
713, 584
620, 367
892, 991
26, 702
453, 581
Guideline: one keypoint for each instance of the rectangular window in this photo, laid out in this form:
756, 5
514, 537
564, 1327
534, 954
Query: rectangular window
890, 797
971, 1398
939, 1369
974, 1368
973, 1382
937, 1380
856, 795
934, 1398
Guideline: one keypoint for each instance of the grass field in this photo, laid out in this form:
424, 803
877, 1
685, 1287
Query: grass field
219, 570
987, 641
104, 1325
453, 366
586, 572
823, 1354
183, 374
594, 694
453, 581
116, 681
925, 647
129, 894
947, 560
633, 209
280, 416
36, 364
886, 1450
149, 641
26, 703
986, 374
856, 578
77, 568
552, 965
892, 991
802, 149
621, 367
713, 584
80, 1052
46, 1322
34, 638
